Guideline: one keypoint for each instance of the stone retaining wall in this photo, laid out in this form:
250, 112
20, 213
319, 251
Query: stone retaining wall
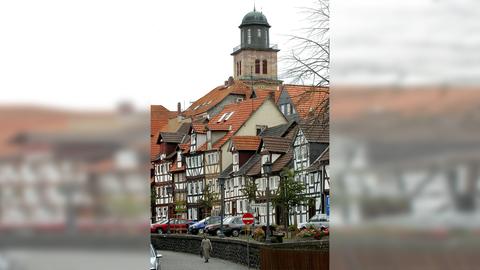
231, 249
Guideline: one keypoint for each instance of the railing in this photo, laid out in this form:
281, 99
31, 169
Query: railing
272, 46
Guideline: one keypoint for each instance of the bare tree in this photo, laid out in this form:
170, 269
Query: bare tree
309, 57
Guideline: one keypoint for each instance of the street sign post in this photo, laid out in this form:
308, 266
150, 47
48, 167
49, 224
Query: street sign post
248, 219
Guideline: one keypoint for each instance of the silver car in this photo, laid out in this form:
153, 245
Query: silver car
317, 221
154, 259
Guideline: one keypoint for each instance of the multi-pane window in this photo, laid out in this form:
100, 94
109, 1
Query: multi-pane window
257, 66
259, 33
301, 152
249, 36
264, 66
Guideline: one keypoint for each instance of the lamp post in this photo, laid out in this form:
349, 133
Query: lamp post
221, 180
267, 170
169, 192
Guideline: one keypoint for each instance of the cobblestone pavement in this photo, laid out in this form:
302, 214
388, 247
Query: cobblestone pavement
186, 261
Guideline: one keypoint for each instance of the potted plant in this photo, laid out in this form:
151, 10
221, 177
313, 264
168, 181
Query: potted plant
292, 228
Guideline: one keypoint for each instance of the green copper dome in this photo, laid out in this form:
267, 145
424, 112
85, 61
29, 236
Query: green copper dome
254, 18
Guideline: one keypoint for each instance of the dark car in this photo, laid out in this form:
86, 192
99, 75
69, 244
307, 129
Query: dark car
176, 225
200, 226
232, 226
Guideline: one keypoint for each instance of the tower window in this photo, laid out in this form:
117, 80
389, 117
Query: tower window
257, 66
240, 66
266, 39
249, 36
259, 33
264, 66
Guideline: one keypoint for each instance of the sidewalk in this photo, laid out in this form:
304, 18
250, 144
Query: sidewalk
186, 261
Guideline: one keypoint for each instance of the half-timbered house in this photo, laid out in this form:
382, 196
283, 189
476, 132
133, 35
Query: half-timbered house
195, 176
309, 143
319, 182
246, 118
242, 148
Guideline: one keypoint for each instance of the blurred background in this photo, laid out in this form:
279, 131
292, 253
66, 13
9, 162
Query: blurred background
405, 122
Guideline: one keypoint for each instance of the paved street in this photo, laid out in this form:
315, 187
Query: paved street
185, 261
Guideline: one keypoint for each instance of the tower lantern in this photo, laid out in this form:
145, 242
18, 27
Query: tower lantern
255, 60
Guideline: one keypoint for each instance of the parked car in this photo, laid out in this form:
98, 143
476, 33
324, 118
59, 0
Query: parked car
155, 226
232, 226
318, 221
154, 259
200, 226
176, 225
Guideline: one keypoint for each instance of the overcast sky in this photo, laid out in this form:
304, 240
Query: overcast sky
95, 53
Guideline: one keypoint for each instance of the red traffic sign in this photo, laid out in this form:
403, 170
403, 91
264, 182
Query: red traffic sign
247, 218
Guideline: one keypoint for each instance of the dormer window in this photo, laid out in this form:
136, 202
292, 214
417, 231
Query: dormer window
225, 117
221, 118
228, 116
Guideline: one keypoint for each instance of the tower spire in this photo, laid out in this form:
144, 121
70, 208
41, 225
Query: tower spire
254, 9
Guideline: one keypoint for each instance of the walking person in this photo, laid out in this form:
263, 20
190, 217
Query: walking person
206, 247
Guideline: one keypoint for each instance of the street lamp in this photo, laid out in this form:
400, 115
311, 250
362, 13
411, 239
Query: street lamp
169, 192
267, 170
221, 180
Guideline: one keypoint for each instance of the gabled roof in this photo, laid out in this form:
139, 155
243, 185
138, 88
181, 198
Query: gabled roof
226, 173
239, 114
175, 137
263, 93
278, 131
308, 100
315, 133
324, 158
159, 116
215, 96
253, 166
283, 161
276, 144
199, 127
246, 143
170, 137
248, 165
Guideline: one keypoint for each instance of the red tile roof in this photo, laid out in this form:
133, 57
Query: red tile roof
215, 96
246, 143
352, 103
308, 100
241, 113
276, 144
159, 116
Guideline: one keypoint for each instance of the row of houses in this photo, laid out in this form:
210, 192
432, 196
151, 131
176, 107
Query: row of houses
195, 149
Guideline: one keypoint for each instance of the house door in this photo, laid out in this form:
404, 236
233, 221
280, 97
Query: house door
234, 208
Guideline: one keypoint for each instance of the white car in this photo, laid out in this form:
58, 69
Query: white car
318, 221
154, 259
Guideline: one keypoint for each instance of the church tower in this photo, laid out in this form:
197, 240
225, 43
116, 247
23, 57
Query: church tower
254, 60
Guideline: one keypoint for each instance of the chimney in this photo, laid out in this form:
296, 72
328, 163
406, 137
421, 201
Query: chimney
230, 80
179, 112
